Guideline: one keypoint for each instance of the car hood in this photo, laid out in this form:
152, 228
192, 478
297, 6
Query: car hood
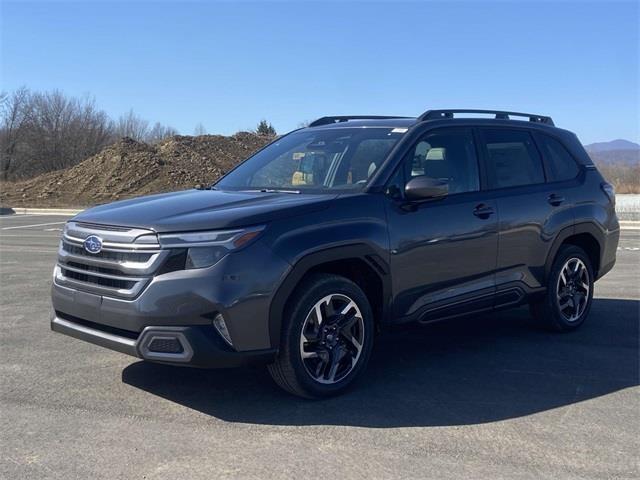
192, 210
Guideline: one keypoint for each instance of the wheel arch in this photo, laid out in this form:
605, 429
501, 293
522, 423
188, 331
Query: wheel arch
357, 262
588, 236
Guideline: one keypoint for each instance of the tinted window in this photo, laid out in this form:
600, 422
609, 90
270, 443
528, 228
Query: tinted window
367, 158
446, 155
512, 159
561, 164
315, 160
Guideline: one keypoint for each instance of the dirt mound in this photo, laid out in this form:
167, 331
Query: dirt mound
129, 168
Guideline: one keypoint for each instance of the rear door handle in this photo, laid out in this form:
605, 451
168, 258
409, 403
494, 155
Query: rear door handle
555, 200
483, 211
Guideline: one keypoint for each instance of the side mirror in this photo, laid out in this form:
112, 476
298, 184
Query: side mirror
423, 187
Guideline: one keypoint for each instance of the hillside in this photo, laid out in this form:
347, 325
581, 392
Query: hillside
614, 145
129, 168
625, 157
621, 167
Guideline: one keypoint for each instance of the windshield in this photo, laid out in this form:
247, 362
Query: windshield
315, 160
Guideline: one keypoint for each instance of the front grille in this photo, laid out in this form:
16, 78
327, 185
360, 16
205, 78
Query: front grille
106, 282
93, 268
121, 269
104, 255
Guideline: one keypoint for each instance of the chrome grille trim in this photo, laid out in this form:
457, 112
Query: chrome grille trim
102, 275
125, 293
115, 246
110, 234
130, 259
127, 267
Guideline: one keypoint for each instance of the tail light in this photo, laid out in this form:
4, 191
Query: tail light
608, 189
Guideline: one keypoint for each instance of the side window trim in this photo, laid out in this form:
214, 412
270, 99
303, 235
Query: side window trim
546, 172
481, 158
482, 145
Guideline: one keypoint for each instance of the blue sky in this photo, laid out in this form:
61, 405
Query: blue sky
230, 64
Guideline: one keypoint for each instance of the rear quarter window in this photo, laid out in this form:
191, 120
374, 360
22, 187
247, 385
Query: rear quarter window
560, 163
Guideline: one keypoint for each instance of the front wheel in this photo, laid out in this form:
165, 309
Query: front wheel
327, 336
569, 295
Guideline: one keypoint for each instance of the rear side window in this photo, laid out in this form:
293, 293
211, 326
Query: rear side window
512, 158
561, 164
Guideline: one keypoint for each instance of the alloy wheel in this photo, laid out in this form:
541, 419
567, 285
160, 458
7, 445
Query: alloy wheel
332, 338
572, 293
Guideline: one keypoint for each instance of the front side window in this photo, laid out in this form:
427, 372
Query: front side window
447, 155
512, 159
315, 160
561, 164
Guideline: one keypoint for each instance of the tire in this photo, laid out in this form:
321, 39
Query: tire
565, 305
332, 360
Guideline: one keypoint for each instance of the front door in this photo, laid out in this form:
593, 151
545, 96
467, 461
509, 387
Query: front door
443, 251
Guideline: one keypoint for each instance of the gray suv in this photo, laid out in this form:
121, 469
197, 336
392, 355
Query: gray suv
298, 257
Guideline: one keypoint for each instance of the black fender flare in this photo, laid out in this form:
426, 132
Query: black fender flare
591, 228
360, 251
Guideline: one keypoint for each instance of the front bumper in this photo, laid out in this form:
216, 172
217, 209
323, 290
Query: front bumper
183, 303
200, 345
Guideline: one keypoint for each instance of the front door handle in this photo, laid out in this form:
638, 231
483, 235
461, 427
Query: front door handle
555, 200
483, 211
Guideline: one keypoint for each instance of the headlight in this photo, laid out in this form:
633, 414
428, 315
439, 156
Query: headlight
207, 248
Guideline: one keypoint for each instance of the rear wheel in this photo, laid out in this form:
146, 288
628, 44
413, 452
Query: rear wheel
569, 295
327, 336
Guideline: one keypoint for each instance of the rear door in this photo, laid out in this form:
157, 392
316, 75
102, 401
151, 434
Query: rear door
531, 209
443, 251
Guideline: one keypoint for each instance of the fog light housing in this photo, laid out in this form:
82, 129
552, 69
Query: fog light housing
221, 327
165, 345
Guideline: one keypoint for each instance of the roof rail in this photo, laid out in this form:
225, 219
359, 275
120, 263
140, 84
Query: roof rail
499, 114
346, 118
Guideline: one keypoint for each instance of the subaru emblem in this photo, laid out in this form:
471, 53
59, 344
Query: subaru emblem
93, 244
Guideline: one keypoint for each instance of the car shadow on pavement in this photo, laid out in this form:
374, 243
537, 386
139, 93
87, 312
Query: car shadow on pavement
471, 371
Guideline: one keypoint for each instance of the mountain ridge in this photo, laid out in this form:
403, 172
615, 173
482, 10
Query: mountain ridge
617, 144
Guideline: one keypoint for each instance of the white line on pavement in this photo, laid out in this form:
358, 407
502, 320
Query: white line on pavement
17, 215
41, 234
26, 250
29, 226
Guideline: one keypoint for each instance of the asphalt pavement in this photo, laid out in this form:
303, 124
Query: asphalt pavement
488, 397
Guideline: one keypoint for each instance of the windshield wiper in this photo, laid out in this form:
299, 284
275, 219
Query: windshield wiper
272, 190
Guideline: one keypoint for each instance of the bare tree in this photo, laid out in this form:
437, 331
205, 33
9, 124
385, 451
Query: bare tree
40, 132
132, 126
14, 109
159, 132
199, 130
